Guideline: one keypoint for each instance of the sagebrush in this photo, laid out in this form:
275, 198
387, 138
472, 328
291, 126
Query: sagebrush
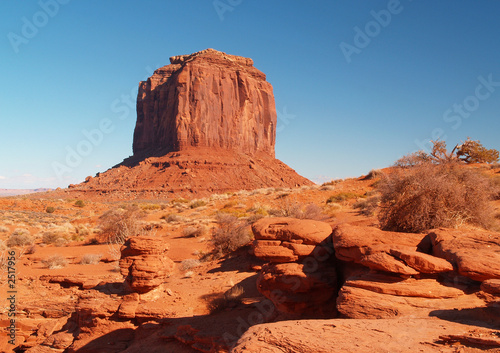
430, 195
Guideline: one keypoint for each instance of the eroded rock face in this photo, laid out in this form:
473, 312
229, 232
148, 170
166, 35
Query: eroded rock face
144, 264
284, 239
295, 289
398, 253
206, 99
476, 253
206, 124
300, 277
390, 335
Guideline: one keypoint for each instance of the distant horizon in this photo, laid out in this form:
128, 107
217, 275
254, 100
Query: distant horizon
357, 84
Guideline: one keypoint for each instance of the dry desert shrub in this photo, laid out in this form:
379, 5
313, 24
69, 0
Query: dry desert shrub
194, 232
172, 218
367, 206
55, 238
293, 209
55, 261
4, 229
90, 259
197, 203
79, 203
231, 234
374, 174
189, 264
427, 195
343, 196
119, 224
228, 300
20, 237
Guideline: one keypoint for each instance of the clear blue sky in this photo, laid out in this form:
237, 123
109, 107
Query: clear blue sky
354, 88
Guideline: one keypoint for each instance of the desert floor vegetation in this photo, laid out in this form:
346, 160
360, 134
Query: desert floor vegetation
429, 195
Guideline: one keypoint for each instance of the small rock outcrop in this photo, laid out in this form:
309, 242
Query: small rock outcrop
144, 264
390, 275
300, 276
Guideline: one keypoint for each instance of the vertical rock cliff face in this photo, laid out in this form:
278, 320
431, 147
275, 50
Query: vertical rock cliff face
206, 99
206, 124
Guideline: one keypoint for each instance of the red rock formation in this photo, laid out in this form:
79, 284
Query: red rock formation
206, 99
301, 276
143, 263
475, 253
206, 124
366, 336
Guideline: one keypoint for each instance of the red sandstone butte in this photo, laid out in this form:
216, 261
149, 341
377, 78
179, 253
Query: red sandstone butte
206, 99
206, 124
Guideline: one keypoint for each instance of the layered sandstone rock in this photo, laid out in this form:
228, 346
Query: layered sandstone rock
295, 288
398, 253
475, 253
301, 276
206, 124
143, 263
389, 335
398, 279
206, 99
284, 239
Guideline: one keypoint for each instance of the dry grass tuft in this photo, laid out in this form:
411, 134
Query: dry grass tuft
90, 259
55, 261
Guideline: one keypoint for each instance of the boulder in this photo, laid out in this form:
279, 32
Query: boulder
491, 286
284, 239
475, 253
354, 302
401, 253
421, 262
300, 231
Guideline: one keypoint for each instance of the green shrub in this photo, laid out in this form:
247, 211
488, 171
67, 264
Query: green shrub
197, 203
50, 209
343, 196
79, 203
